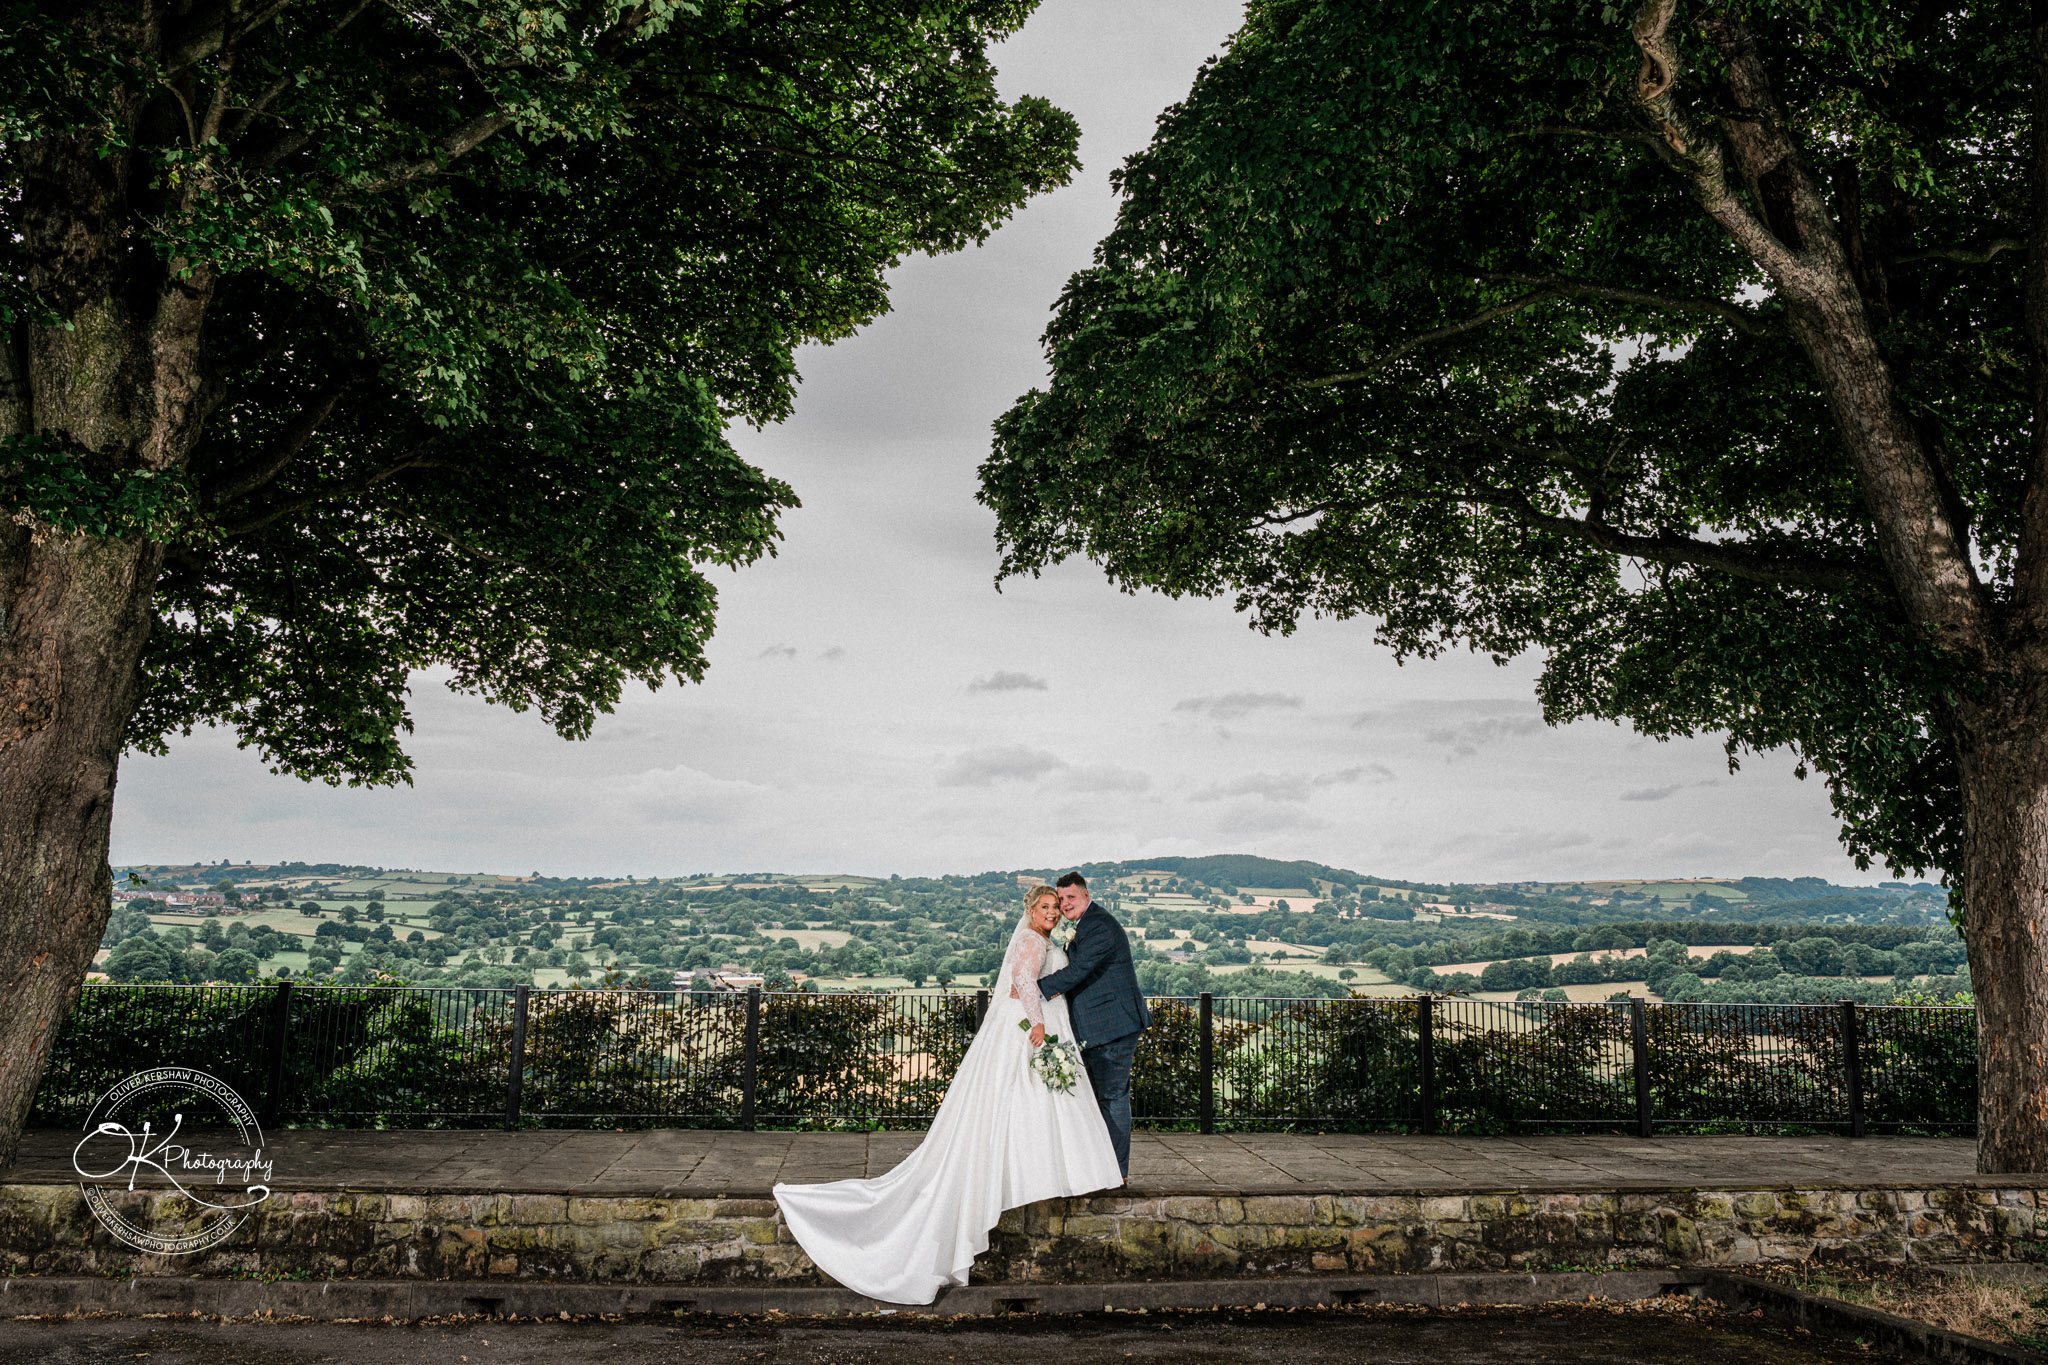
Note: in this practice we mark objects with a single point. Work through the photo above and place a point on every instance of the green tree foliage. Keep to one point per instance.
(1515, 975)
(1405, 318)
(126, 922)
(480, 287)
(1701, 348)
(145, 957)
(236, 966)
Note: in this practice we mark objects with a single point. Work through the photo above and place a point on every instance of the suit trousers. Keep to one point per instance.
(1109, 1072)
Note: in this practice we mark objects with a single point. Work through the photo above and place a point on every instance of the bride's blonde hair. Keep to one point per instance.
(1031, 896)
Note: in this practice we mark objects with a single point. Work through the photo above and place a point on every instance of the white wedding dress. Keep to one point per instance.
(1000, 1139)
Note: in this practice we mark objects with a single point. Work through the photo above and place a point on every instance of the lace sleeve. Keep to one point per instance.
(1030, 960)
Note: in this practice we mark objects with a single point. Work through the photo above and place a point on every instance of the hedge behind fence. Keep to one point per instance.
(416, 1057)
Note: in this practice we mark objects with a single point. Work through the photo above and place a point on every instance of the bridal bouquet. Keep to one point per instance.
(1062, 935)
(1058, 1063)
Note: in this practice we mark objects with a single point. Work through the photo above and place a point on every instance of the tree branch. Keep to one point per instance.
(1697, 155)
(609, 46)
(1548, 287)
(1736, 316)
(455, 143)
(209, 129)
(416, 458)
(1470, 324)
(248, 115)
(206, 31)
(287, 141)
(242, 481)
(1597, 134)
(1967, 255)
(1792, 235)
(1736, 560)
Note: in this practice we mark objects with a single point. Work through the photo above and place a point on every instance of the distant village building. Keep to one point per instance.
(727, 978)
(176, 900)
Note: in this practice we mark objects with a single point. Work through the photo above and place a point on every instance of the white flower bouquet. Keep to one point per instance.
(1062, 935)
(1057, 1063)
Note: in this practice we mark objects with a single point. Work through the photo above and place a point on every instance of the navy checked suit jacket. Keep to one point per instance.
(1099, 981)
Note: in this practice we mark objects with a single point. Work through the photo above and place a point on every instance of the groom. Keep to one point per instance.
(1107, 1008)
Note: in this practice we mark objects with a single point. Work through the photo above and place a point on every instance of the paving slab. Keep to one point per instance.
(742, 1164)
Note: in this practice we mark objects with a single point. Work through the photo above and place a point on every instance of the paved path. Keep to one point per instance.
(685, 1163)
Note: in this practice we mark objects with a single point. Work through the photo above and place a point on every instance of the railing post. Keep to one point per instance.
(515, 1069)
(1207, 1061)
(980, 1008)
(1852, 1065)
(280, 1036)
(1425, 1055)
(751, 1057)
(1639, 1039)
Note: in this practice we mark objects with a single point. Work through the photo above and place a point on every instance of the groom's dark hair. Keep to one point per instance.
(1074, 879)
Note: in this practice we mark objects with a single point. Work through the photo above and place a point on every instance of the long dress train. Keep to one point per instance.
(1001, 1139)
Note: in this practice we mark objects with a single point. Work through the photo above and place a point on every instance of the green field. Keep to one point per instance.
(838, 932)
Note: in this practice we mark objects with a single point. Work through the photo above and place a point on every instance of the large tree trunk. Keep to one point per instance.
(1786, 225)
(118, 386)
(77, 615)
(2004, 752)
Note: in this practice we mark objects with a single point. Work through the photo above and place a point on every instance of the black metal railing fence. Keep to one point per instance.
(402, 1056)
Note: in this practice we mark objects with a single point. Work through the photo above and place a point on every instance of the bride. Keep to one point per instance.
(1002, 1138)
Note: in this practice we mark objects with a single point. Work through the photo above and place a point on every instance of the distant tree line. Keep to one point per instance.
(1810, 967)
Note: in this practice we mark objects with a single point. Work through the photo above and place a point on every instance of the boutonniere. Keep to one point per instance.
(1062, 934)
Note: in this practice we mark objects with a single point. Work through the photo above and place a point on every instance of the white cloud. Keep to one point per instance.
(1291, 786)
(1469, 737)
(1365, 772)
(1525, 846)
(686, 795)
(999, 763)
(778, 652)
(1104, 779)
(1271, 786)
(1232, 705)
(1004, 681)
(1650, 793)
(1256, 818)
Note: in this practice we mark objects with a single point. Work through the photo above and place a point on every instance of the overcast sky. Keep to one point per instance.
(874, 705)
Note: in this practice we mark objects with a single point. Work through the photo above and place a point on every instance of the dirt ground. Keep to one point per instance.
(1672, 1331)
(2007, 1304)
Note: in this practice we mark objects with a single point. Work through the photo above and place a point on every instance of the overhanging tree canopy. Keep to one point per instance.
(1698, 347)
(483, 285)
(343, 339)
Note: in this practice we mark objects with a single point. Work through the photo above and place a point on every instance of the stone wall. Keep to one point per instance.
(46, 1230)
